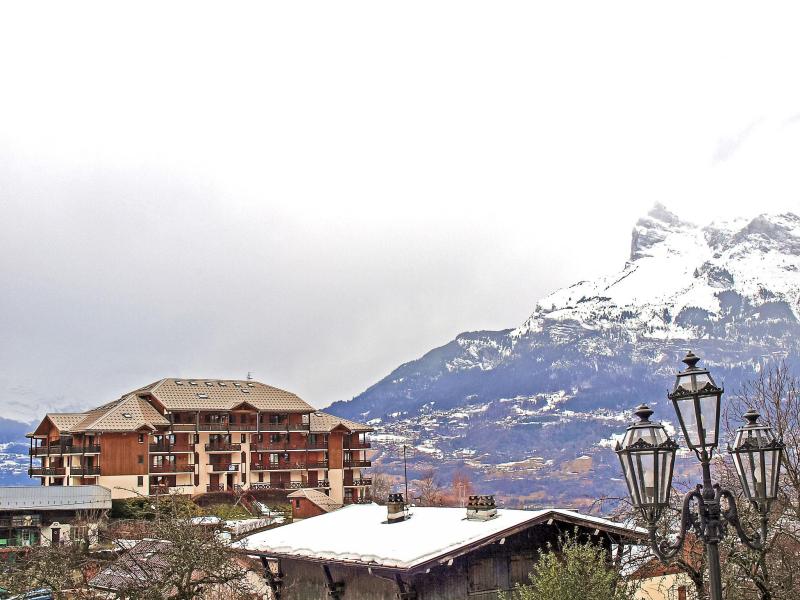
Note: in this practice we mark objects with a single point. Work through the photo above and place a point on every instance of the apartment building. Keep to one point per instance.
(193, 436)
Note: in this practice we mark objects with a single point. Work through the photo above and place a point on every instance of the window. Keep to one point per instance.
(273, 459)
(141, 438)
(244, 438)
(79, 533)
(140, 459)
(297, 502)
(140, 480)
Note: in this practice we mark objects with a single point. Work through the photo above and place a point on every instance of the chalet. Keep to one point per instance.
(190, 436)
(311, 503)
(31, 516)
(418, 553)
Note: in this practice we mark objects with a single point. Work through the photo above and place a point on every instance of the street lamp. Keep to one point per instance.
(647, 456)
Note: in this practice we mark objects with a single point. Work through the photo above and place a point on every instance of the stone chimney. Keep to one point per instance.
(481, 508)
(396, 507)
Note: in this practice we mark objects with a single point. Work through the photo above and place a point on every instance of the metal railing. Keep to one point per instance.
(170, 448)
(84, 471)
(280, 466)
(223, 447)
(172, 468)
(354, 464)
(223, 467)
(47, 471)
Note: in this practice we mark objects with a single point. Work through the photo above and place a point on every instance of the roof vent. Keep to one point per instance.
(203, 396)
(192, 383)
(178, 382)
(251, 385)
(221, 384)
(396, 508)
(481, 508)
(237, 384)
(127, 415)
(210, 383)
(244, 391)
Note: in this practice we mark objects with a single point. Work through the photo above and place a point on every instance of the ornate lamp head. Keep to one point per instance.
(647, 455)
(697, 399)
(757, 454)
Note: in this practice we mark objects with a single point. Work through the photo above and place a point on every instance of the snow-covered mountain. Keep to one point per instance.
(532, 410)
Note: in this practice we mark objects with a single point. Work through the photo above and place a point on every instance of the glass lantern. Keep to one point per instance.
(697, 400)
(647, 455)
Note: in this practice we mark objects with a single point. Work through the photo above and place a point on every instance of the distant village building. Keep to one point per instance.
(201, 435)
(31, 516)
(311, 503)
(377, 552)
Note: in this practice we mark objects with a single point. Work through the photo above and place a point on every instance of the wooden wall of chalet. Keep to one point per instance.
(121, 453)
(303, 508)
(475, 576)
(335, 444)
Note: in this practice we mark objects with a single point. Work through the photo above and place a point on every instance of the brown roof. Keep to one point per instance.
(65, 422)
(325, 502)
(129, 413)
(225, 394)
(141, 564)
(323, 422)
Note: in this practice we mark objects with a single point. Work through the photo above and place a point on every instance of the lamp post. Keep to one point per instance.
(647, 455)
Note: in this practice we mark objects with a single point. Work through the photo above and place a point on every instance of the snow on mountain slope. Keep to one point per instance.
(531, 411)
(677, 269)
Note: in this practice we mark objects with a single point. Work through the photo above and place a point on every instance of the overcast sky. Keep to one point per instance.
(319, 192)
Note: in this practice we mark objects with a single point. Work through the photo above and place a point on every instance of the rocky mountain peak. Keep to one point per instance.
(653, 229)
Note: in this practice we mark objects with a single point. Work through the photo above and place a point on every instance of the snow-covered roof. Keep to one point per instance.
(55, 497)
(430, 534)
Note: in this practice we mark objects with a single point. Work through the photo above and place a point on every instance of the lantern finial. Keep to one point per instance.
(644, 413)
(752, 417)
(691, 360)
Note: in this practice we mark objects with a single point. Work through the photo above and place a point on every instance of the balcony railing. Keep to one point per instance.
(84, 471)
(63, 449)
(183, 427)
(319, 464)
(359, 482)
(223, 467)
(214, 426)
(172, 468)
(358, 500)
(219, 487)
(286, 485)
(298, 427)
(47, 471)
(354, 464)
(159, 448)
(361, 446)
(269, 447)
(170, 489)
(274, 426)
(279, 466)
(243, 427)
(223, 447)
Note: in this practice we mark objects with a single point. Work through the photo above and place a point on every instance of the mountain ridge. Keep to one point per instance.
(560, 383)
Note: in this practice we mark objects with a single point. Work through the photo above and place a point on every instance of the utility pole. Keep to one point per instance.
(405, 472)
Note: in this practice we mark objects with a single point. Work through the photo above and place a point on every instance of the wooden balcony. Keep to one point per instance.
(183, 427)
(84, 471)
(61, 449)
(355, 464)
(170, 448)
(362, 446)
(286, 485)
(223, 447)
(364, 482)
(214, 426)
(279, 466)
(317, 464)
(223, 467)
(243, 427)
(269, 447)
(47, 471)
(298, 427)
(172, 468)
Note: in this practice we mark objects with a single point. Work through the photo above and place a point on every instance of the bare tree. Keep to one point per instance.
(429, 490)
(381, 486)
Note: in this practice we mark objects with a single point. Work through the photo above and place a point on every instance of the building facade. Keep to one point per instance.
(193, 436)
(32, 516)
